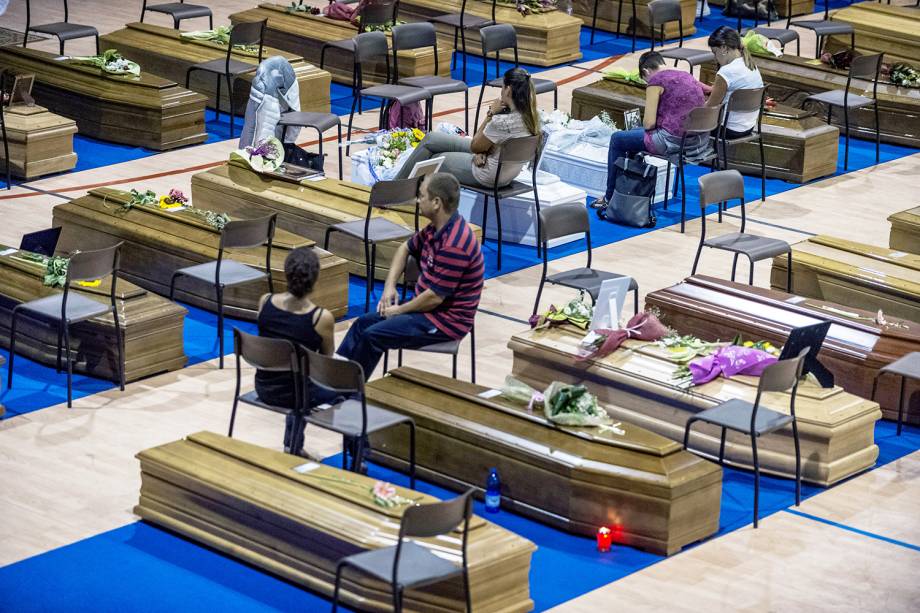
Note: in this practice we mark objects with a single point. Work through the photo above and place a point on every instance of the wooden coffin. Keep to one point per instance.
(855, 349)
(657, 496)
(250, 502)
(854, 274)
(305, 35)
(163, 52)
(40, 142)
(151, 324)
(157, 243)
(880, 28)
(905, 231)
(791, 79)
(798, 145)
(305, 209)
(836, 428)
(544, 39)
(146, 111)
(607, 15)
(799, 7)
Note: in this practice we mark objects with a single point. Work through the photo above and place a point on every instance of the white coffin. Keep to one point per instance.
(585, 166)
(518, 223)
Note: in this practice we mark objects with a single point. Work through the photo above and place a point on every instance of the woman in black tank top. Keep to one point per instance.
(291, 315)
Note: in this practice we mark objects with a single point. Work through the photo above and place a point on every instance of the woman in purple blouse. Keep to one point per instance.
(669, 97)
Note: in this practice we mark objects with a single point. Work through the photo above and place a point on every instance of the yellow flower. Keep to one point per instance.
(95, 283)
(748, 344)
(417, 134)
(767, 346)
(166, 203)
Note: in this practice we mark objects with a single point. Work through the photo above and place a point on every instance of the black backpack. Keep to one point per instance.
(633, 195)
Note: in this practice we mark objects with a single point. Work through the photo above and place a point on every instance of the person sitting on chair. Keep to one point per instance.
(292, 316)
(736, 71)
(475, 161)
(670, 95)
(447, 292)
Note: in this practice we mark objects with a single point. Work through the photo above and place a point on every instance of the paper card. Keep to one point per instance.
(306, 467)
(898, 254)
(322, 407)
(9, 251)
(490, 394)
(796, 299)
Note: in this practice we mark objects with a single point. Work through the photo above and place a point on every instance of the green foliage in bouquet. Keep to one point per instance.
(904, 75)
(626, 76)
(110, 61)
(55, 274)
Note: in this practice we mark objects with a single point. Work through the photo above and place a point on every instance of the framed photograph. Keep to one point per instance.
(632, 119)
(426, 167)
(21, 90)
(609, 305)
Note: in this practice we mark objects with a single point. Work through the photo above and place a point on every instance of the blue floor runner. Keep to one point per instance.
(142, 568)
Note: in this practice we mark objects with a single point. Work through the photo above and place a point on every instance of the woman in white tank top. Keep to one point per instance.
(736, 71)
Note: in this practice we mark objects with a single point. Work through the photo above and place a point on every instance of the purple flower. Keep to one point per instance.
(266, 150)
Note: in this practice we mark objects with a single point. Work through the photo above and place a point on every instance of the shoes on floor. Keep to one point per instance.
(598, 203)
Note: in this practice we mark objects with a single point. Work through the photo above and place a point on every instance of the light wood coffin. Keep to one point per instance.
(151, 324)
(836, 428)
(163, 52)
(657, 496)
(905, 231)
(607, 14)
(855, 349)
(249, 502)
(305, 35)
(854, 274)
(40, 142)
(544, 39)
(880, 28)
(157, 243)
(146, 111)
(798, 145)
(799, 7)
(305, 209)
(790, 79)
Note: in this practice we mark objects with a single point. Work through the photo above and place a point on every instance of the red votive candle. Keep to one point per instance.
(604, 539)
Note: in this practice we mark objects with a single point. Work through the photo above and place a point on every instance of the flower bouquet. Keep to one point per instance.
(55, 267)
(385, 495)
(904, 75)
(600, 343)
(221, 36)
(267, 156)
(110, 61)
(174, 200)
(561, 403)
(526, 7)
(576, 312)
(626, 76)
(391, 150)
(300, 7)
(758, 44)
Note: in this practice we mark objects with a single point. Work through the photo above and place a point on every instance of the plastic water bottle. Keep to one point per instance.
(493, 491)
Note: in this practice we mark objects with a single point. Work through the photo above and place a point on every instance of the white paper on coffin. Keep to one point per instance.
(518, 212)
(585, 165)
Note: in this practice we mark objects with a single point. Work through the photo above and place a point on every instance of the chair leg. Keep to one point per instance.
(722, 445)
(367, 276)
(338, 582)
(901, 405)
(683, 195)
(734, 266)
(399, 357)
(667, 185)
(696, 260)
(236, 401)
(454, 366)
(789, 272)
(373, 269)
(763, 172)
(878, 134)
(478, 105)
(69, 364)
(386, 362)
(687, 432)
(536, 303)
(453, 58)
(351, 119)
(119, 344)
(220, 324)
(97, 45)
(232, 107)
(636, 301)
(756, 476)
(397, 598)
(466, 110)
(798, 464)
(846, 139)
(498, 229)
(217, 101)
(473, 354)
(341, 169)
(412, 454)
(751, 275)
(9, 367)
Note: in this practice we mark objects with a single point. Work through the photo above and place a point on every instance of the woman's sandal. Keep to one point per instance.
(598, 203)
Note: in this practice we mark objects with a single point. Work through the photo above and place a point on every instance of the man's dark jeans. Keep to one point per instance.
(372, 334)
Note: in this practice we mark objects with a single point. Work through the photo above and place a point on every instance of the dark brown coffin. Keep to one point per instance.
(880, 28)
(151, 324)
(157, 243)
(905, 231)
(798, 145)
(855, 348)
(146, 111)
(791, 79)
(305, 35)
(609, 12)
(251, 503)
(163, 52)
(657, 496)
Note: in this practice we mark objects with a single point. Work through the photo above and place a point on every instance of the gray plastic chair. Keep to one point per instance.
(906, 367)
(67, 308)
(461, 22)
(179, 11)
(319, 122)
(662, 12)
(745, 101)
(722, 186)
(353, 418)
(270, 355)
(6, 143)
(863, 67)
(246, 33)
(496, 39)
(564, 220)
(513, 151)
(374, 230)
(223, 273)
(408, 565)
(422, 35)
(821, 27)
(372, 16)
(372, 47)
(62, 30)
(755, 420)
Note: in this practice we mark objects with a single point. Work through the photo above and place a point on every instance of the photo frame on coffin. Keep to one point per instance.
(426, 167)
(632, 119)
(813, 337)
(20, 91)
(609, 304)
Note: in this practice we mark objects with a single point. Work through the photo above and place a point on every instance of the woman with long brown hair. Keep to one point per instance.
(475, 160)
(736, 71)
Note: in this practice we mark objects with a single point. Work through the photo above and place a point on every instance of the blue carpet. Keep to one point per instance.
(143, 568)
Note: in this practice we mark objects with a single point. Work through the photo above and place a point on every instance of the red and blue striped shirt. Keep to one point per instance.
(450, 265)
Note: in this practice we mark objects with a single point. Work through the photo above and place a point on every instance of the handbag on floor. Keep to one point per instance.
(305, 159)
(633, 194)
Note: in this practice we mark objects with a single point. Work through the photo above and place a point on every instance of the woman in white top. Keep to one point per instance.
(475, 160)
(736, 71)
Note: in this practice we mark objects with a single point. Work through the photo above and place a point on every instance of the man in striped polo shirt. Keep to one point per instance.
(449, 284)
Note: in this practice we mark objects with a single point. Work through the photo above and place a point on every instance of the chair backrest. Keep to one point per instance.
(379, 13)
(264, 353)
(247, 33)
(702, 119)
(519, 150)
(419, 35)
(463, 12)
(782, 375)
(661, 12)
(866, 67)
(244, 233)
(427, 520)
(746, 100)
(498, 37)
(563, 220)
(371, 46)
(720, 186)
(398, 192)
(92, 265)
(342, 376)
